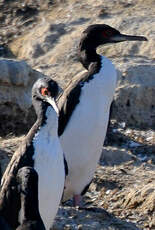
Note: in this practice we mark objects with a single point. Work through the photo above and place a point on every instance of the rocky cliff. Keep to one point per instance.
(46, 35)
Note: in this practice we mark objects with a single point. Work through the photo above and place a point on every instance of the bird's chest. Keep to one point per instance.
(97, 93)
(46, 156)
(47, 160)
(47, 148)
(95, 99)
(88, 123)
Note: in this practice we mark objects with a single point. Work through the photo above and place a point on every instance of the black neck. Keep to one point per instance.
(40, 109)
(87, 57)
(87, 53)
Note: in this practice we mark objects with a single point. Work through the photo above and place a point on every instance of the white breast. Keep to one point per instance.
(49, 163)
(84, 135)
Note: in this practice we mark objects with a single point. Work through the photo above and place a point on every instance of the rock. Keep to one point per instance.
(16, 80)
(133, 101)
(69, 218)
(142, 198)
(51, 47)
(115, 156)
(7, 147)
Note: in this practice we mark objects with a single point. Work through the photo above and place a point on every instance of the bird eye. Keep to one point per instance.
(44, 91)
(107, 33)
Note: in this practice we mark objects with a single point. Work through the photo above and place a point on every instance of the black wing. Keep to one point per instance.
(9, 194)
(70, 98)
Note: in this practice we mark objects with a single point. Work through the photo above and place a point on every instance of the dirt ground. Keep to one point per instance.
(122, 194)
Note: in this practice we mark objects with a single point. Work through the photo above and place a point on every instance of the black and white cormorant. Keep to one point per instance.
(84, 108)
(42, 151)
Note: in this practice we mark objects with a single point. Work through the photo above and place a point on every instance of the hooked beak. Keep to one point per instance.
(52, 102)
(123, 37)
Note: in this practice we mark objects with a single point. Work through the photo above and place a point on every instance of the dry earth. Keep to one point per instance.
(122, 194)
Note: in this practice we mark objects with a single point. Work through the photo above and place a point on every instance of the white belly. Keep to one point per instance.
(49, 164)
(84, 135)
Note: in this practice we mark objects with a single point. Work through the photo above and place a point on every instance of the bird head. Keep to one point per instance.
(45, 90)
(99, 34)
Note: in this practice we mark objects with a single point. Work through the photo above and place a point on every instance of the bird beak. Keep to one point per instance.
(51, 101)
(123, 37)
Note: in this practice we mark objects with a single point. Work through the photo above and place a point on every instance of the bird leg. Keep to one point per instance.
(77, 200)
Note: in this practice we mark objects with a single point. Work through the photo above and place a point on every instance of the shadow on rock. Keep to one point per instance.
(89, 219)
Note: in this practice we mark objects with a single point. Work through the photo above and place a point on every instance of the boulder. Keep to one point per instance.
(16, 80)
(115, 156)
(134, 97)
(51, 47)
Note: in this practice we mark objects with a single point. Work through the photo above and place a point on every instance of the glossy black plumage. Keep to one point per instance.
(27, 179)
